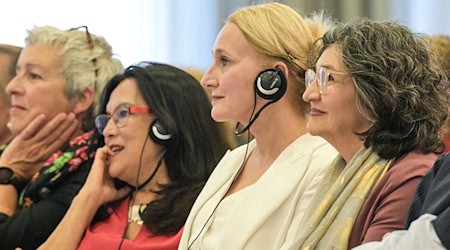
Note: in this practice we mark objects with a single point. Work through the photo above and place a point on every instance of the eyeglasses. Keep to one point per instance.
(91, 47)
(120, 116)
(322, 76)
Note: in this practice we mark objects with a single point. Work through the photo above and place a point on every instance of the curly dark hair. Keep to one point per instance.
(399, 84)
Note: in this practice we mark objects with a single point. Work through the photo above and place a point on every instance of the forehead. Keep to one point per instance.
(331, 59)
(232, 40)
(41, 55)
(126, 92)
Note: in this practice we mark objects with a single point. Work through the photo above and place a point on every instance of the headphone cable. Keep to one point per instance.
(136, 189)
(235, 177)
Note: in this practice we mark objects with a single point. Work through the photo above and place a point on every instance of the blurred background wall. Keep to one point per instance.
(182, 32)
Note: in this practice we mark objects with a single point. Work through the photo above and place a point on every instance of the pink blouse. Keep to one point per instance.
(107, 234)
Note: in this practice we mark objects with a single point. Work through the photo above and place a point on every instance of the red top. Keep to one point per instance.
(447, 143)
(107, 234)
(386, 206)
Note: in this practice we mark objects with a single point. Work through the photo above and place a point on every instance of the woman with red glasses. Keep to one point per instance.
(160, 147)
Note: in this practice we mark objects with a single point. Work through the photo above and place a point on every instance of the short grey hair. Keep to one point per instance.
(82, 65)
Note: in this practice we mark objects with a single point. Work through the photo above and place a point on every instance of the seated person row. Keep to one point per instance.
(380, 99)
(256, 196)
(427, 224)
(153, 145)
(54, 96)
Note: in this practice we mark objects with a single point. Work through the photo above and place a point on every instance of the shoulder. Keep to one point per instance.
(441, 168)
(313, 146)
(312, 141)
(405, 174)
(319, 149)
(412, 165)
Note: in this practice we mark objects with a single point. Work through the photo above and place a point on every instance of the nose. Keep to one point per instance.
(14, 87)
(209, 79)
(110, 129)
(312, 92)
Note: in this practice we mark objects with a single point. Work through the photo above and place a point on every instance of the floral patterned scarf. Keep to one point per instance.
(57, 168)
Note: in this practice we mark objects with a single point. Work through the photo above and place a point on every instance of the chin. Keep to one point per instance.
(217, 118)
(113, 172)
(15, 127)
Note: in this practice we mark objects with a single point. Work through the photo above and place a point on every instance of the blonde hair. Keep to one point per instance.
(279, 32)
(83, 65)
(441, 48)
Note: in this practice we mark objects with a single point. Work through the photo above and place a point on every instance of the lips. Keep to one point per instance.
(16, 108)
(115, 149)
(215, 98)
(316, 112)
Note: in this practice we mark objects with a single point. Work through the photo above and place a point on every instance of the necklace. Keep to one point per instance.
(135, 214)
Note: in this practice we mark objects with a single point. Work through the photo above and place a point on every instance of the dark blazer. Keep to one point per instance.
(433, 196)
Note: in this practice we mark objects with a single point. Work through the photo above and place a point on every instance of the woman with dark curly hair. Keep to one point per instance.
(379, 97)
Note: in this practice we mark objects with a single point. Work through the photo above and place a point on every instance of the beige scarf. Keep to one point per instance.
(329, 218)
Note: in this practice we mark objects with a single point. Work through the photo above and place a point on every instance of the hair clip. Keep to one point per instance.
(290, 58)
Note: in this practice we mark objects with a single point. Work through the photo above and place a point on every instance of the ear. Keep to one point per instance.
(84, 100)
(283, 67)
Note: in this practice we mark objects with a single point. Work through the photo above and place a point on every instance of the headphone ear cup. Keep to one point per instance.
(271, 84)
(159, 133)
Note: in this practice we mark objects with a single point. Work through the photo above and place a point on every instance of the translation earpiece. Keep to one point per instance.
(271, 84)
(159, 132)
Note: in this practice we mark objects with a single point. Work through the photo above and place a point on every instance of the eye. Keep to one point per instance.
(34, 76)
(224, 61)
(330, 78)
(122, 113)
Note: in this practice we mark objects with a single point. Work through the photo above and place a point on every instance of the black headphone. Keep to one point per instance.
(159, 133)
(271, 84)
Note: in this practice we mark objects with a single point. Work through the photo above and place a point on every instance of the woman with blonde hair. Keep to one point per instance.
(256, 195)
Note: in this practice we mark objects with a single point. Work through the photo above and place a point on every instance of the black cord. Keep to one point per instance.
(250, 120)
(234, 179)
(133, 197)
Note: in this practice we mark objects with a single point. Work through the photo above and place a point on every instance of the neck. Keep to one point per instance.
(346, 146)
(274, 138)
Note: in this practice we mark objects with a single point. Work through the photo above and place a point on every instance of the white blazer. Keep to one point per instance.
(270, 213)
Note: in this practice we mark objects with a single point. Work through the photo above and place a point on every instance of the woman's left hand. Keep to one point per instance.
(99, 185)
(29, 150)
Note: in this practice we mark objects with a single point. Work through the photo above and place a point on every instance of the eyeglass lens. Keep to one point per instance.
(120, 118)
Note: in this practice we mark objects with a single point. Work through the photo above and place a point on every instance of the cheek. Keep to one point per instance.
(53, 105)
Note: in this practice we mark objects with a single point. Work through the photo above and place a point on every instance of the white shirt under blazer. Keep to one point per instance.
(266, 214)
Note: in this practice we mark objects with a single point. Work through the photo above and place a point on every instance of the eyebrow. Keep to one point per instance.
(327, 66)
(27, 66)
(218, 50)
(115, 108)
